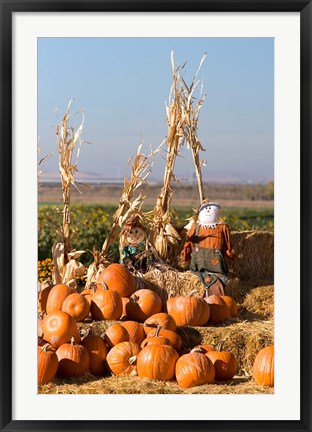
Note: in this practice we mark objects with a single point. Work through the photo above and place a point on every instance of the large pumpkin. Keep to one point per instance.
(97, 351)
(188, 311)
(122, 358)
(225, 364)
(77, 306)
(73, 360)
(115, 334)
(135, 330)
(263, 367)
(47, 363)
(105, 304)
(59, 327)
(194, 369)
(56, 297)
(218, 309)
(161, 319)
(118, 278)
(142, 305)
(157, 362)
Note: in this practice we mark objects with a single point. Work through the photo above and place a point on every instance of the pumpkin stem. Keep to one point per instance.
(103, 284)
(199, 349)
(72, 341)
(45, 347)
(132, 360)
(158, 330)
(153, 325)
(220, 345)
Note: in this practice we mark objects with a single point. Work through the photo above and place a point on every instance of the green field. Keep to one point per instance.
(91, 223)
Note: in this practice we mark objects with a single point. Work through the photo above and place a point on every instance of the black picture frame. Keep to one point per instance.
(8, 7)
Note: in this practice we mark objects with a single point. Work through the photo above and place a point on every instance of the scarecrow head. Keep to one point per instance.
(133, 231)
(209, 213)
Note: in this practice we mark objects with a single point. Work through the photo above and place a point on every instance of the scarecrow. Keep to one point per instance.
(208, 242)
(132, 243)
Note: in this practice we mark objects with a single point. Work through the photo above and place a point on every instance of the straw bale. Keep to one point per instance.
(259, 303)
(255, 251)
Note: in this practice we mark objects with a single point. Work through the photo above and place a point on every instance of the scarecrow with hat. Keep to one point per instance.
(208, 242)
(132, 243)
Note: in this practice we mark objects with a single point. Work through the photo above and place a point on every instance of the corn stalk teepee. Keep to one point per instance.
(182, 119)
(65, 264)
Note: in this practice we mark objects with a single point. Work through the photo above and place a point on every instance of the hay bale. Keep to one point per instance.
(255, 251)
(259, 303)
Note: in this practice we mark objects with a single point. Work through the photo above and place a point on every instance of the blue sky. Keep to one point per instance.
(122, 85)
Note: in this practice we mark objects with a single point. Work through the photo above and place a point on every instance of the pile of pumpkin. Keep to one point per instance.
(144, 343)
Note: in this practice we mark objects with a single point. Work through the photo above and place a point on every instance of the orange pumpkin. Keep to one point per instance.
(42, 299)
(87, 293)
(219, 311)
(115, 334)
(118, 278)
(47, 363)
(161, 319)
(77, 306)
(263, 367)
(225, 364)
(204, 349)
(231, 304)
(173, 337)
(142, 305)
(97, 351)
(156, 340)
(59, 327)
(188, 311)
(73, 360)
(157, 362)
(56, 297)
(122, 358)
(106, 304)
(135, 330)
(194, 369)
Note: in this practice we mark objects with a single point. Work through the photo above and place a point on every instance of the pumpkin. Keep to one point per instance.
(194, 369)
(77, 306)
(97, 351)
(56, 297)
(118, 278)
(263, 367)
(135, 330)
(188, 311)
(115, 334)
(142, 305)
(219, 311)
(161, 319)
(224, 362)
(173, 337)
(87, 293)
(204, 349)
(59, 327)
(231, 304)
(42, 299)
(73, 360)
(106, 304)
(157, 362)
(40, 328)
(122, 358)
(47, 363)
(156, 340)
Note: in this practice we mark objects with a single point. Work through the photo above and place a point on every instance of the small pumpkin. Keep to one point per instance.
(135, 330)
(157, 362)
(115, 334)
(118, 278)
(156, 340)
(73, 360)
(219, 311)
(105, 304)
(56, 297)
(43, 297)
(142, 305)
(188, 311)
(122, 358)
(59, 327)
(77, 306)
(263, 367)
(194, 369)
(231, 304)
(173, 337)
(97, 351)
(47, 363)
(224, 362)
(161, 319)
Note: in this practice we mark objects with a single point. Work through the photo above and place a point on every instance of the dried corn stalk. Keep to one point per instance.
(66, 266)
(182, 121)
